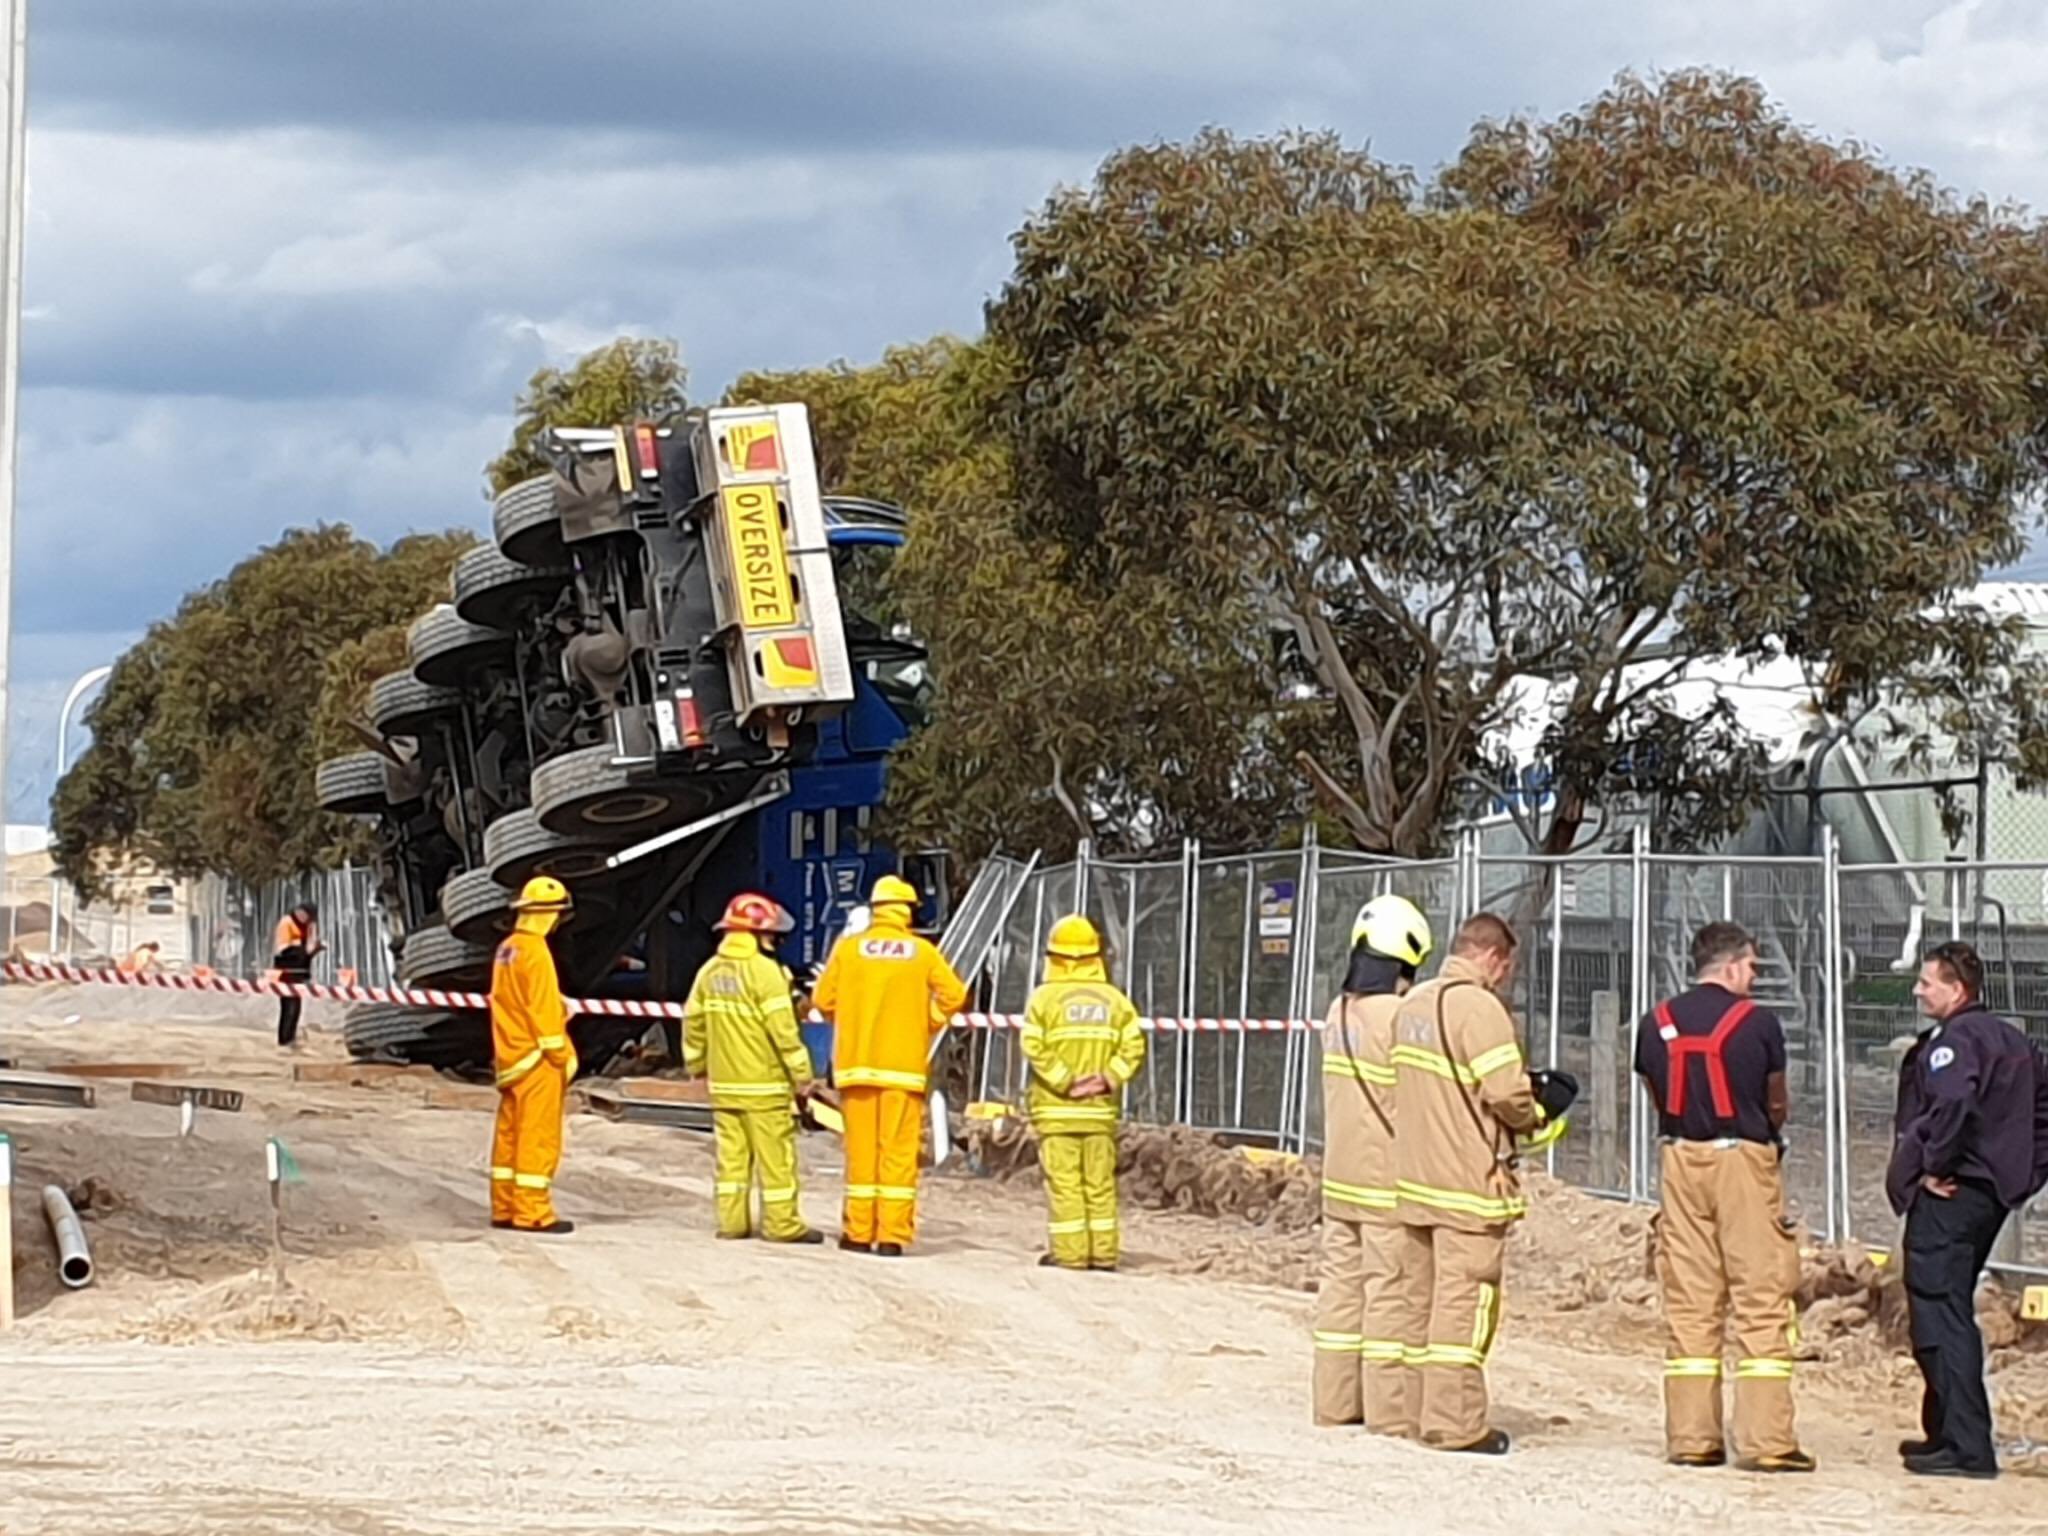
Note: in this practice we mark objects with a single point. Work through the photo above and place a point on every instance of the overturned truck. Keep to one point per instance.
(645, 686)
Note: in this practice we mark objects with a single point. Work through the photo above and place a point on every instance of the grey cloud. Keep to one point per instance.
(292, 261)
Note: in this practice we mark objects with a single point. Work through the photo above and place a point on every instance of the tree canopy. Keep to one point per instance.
(1285, 482)
(1663, 380)
(631, 379)
(204, 739)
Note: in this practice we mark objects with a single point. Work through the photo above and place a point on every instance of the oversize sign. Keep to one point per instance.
(753, 532)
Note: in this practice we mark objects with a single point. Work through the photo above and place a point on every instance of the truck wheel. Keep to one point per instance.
(517, 847)
(422, 1036)
(446, 648)
(351, 785)
(526, 525)
(475, 908)
(434, 957)
(402, 705)
(583, 793)
(496, 591)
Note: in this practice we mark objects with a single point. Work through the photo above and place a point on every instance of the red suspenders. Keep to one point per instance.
(1708, 1048)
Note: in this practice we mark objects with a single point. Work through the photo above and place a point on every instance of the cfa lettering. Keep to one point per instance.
(888, 949)
(1087, 1013)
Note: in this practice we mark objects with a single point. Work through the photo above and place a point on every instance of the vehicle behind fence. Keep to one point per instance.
(1604, 937)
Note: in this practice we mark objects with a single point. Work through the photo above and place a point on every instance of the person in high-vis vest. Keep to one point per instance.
(535, 1063)
(1362, 1374)
(739, 1027)
(1714, 1062)
(1083, 1043)
(297, 942)
(887, 991)
(1461, 1096)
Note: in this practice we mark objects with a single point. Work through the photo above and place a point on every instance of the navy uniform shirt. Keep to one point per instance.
(1973, 1104)
(1750, 1056)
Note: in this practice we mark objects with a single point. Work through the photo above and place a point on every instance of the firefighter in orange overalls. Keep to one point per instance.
(535, 1062)
(887, 991)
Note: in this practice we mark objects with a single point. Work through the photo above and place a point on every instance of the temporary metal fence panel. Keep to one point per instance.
(1890, 915)
(1783, 904)
(1574, 993)
(234, 925)
(1267, 935)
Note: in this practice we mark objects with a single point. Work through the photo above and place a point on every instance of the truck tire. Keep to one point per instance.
(476, 908)
(434, 957)
(496, 591)
(525, 523)
(351, 785)
(422, 1036)
(446, 648)
(583, 794)
(402, 705)
(517, 847)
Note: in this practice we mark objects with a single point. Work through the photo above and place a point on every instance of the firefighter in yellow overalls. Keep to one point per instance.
(1082, 1039)
(739, 1026)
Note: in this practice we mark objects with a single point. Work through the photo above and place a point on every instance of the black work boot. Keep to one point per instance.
(848, 1245)
(801, 1240)
(1944, 1463)
(555, 1228)
(889, 1250)
(1494, 1442)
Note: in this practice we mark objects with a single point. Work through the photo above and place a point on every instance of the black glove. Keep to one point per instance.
(1556, 1091)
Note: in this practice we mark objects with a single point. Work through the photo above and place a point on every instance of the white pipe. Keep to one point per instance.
(74, 1259)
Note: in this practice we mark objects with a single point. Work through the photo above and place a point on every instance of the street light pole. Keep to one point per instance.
(13, 201)
(88, 680)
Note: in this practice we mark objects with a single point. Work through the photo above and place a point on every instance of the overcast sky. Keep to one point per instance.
(291, 260)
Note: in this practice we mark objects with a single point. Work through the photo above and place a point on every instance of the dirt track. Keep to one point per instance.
(420, 1373)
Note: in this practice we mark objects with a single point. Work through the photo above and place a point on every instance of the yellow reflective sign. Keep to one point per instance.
(753, 532)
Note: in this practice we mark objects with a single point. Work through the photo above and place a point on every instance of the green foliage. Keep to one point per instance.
(1058, 716)
(1664, 380)
(204, 740)
(631, 379)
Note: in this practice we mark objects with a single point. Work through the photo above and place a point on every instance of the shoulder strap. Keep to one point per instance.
(1443, 1041)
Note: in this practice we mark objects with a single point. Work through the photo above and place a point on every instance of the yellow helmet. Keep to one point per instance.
(543, 893)
(893, 891)
(1074, 938)
(1393, 926)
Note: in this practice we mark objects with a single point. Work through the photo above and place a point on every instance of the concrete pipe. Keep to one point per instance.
(74, 1259)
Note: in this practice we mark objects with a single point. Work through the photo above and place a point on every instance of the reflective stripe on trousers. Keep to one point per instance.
(884, 1134)
(1080, 1196)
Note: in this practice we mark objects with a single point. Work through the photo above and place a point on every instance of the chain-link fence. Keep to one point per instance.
(1604, 937)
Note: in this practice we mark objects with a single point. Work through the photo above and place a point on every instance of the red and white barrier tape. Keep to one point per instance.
(431, 997)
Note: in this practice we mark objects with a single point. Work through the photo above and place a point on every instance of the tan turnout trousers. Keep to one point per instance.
(1447, 1310)
(1725, 1254)
(1362, 1373)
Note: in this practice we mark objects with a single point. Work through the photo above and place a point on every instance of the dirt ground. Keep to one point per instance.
(417, 1372)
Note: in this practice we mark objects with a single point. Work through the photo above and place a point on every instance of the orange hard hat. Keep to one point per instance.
(751, 913)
